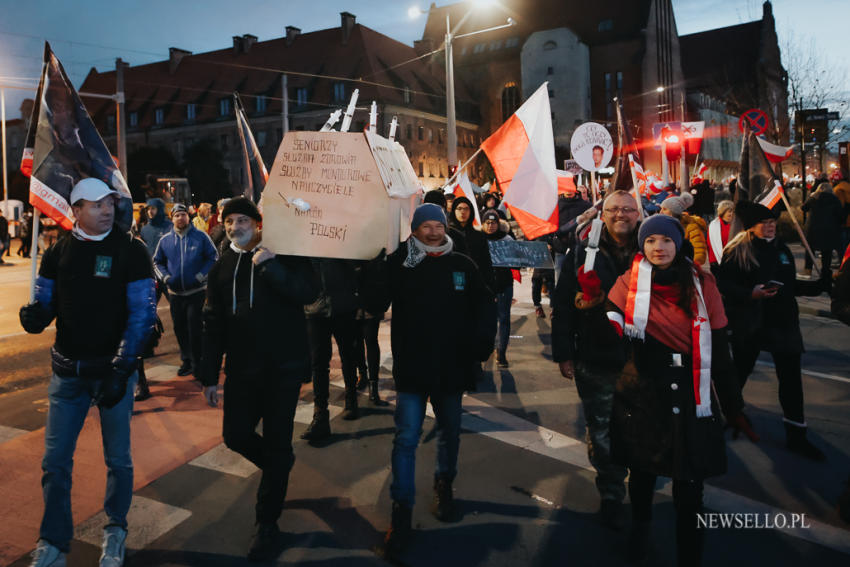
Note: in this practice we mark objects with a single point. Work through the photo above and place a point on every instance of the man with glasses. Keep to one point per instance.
(594, 369)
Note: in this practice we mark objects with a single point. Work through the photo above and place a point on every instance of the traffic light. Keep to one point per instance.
(672, 144)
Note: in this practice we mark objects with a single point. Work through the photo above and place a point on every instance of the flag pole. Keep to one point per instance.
(462, 167)
(800, 231)
(36, 216)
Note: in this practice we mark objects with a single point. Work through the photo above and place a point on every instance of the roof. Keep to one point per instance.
(315, 61)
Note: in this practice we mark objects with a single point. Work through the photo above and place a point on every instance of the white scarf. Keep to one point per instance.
(417, 250)
(80, 234)
(637, 316)
(715, 238)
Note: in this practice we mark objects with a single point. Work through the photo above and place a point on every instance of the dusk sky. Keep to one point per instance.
(92, 33)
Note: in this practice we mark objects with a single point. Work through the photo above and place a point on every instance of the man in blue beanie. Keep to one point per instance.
(438, 296)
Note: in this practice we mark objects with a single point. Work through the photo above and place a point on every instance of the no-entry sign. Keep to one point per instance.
(757, 120)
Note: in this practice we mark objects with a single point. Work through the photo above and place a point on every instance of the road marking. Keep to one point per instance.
(8, 433)
(147, 518)
(811, 373)
(222, 459)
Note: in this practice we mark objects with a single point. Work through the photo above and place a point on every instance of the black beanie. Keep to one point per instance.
(750, 214)
(242, 206)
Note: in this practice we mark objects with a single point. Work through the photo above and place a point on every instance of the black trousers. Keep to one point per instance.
(538, 277)
(687, 498)
(788, 372)
(272, 399)
(188, 325)
(343, 328)
(825, 262)
(367, 351)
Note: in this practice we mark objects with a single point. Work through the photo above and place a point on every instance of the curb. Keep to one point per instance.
(816, 312)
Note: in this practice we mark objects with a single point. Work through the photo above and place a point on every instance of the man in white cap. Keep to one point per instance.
(98, 284)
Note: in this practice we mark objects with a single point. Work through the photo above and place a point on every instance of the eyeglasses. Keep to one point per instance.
(624, 210)
(461, 208)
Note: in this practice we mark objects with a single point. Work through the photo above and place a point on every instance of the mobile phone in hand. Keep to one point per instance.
(773, 285)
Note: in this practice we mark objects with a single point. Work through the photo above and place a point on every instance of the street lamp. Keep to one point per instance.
(451, 127)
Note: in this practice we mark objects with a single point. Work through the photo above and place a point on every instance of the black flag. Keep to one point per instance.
(626, 146)
(256, 174)
(756, 177)
(68, 148)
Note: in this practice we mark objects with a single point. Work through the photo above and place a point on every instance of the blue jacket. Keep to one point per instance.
(156, 227)
(183, 262)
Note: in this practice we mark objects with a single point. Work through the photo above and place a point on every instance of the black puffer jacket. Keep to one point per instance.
(476, 244)
(502, 277)
(443, 322)
(825, 219)
(339, 292)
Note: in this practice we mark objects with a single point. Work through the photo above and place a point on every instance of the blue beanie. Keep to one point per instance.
(426, 212)
(661, 224)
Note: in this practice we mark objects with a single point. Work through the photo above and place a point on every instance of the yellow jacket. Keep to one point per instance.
(695, 230)
(200, 223)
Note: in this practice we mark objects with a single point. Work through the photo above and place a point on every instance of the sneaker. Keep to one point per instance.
(539, 311)
(185, 369)
(113, 547)
(47, 555)
(142, 394)
(264, 546)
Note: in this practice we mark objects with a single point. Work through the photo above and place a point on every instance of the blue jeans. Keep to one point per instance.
(70, 400)
(503, 310)
(409, 415)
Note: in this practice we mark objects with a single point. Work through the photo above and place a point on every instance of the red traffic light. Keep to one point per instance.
(452, 170)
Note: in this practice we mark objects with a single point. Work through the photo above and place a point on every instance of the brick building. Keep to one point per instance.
(177, 102)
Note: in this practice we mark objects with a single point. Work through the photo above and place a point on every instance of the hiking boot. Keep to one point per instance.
(351, 411)
(611, 512)
(319, 429)
(398, 535)
(113, 546)
(796, 442)
(374, 396)
(539, 311)
(185, 368)
(501, 360)
(47, 555)
(264, 546)
(142, 393)
(442, 507)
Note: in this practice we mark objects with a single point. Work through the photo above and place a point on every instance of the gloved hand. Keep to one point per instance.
(34, 317)
(114, 386)
(591, 285)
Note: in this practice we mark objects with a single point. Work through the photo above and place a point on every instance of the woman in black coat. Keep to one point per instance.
(666, 418)
(823, 226)
(758, 280)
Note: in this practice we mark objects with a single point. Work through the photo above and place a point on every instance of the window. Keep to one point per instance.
(463, 50)
(605, 25)
(510, 100)
(409, 132)
(479, 47)
(512, 42)
(440, 135)
(406, 95)
(550, 71)
(609, 105)
(421, 169)
(110, 123)
(301, 96)
(339, 92)
(549, 46)
(261, 103)
(159, 116)
(134, 119)
(421, 133)
(495, 44)
(224, 141)
(224, 107)
(619, 82)
(261, 138)
(430, 135)
(191, 111)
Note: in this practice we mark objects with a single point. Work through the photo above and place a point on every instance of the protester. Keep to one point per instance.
(703, 205)
(157, 226)
(202, 219)
(4, 235)
(694, 226)
(825, 218)
(542, 279)
(439, 297)
(26, 236)
(493, 202)
(757, 278)
(476, 245)
(438, 197)
(332, 315)
(718, 232)
(98, 284)
(493, 229)
(182, 261)
(570, 206)
(666, 420)
(842, 191)
(217, 232)
(367, 350)
(840, 306)
(254, 314)
(579, 355)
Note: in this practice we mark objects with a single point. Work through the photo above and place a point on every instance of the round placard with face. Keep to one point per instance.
(592, 146)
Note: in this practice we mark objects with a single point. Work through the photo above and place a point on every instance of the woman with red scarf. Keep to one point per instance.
(667, 419)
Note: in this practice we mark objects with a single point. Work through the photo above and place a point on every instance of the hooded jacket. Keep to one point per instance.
(255, 315)
(825, 218)
(183, 261)
(157, 227)
(476, 244)
(502, 277)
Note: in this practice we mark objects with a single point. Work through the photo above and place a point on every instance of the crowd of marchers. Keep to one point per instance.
(658, 333)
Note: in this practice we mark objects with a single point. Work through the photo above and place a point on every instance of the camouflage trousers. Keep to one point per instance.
(596, 390)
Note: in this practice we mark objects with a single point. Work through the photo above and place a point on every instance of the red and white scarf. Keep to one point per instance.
(637, 316)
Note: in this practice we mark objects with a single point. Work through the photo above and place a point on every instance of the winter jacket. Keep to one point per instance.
(255, 315)
(443, 322)
(572, 338)
(695, 231)
(569, 208)
(338, 284)
(502, 277)
(773, 322)
(824, 221)
(157, 227)
(476, 244)
(842, 191)
(201, 224)
(183, 262)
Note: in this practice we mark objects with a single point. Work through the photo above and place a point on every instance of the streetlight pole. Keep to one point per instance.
(451, 127)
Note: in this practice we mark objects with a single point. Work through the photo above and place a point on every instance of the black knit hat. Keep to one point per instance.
(242, 206)
(750, 214)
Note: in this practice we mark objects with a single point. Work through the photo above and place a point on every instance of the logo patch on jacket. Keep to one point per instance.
(459, 280)
(102, 266)
(784, 259)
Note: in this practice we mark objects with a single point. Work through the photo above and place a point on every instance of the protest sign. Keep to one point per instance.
(520, 254)
(591, 146)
